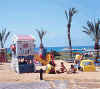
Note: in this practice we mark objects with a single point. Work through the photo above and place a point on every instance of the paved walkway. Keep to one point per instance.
(55, 84)
(35, 85)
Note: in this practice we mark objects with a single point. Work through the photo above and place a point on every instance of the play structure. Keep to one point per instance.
(44, 61)
(23, 54)
(3, 55)
(88, 66)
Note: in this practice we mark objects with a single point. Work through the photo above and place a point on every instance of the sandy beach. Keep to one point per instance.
(8, 75)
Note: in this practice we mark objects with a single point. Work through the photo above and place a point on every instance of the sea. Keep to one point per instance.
(58, 49)
(62, 49)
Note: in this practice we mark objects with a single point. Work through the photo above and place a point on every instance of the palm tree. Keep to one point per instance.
(93, 29)
(3, 37)
(41, 34)
(69, 15)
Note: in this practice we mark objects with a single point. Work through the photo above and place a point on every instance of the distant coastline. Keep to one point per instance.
(58, 49)
(61, 49)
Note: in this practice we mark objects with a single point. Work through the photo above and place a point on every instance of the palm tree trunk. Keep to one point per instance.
(2, 46)
(69, 40)
(41, 44)
(96, 47)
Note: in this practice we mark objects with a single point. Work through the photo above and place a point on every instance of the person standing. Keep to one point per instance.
(41, 74)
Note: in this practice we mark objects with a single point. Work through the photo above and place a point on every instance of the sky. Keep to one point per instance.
(24, 16)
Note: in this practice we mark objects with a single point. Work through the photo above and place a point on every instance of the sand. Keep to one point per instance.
(8, 75)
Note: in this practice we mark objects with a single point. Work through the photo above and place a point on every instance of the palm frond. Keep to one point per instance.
(3, 36)
(6, 37)
(0, 37)
(86, 28)
(86, 32)
(66, 14)
(90, 26)
(3, 32)
(41, 33)
(93, 29)
(72, 12)
(70, 16)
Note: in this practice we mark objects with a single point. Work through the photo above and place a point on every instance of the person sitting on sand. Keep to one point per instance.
(72, 69)
(63, 68)
(52, 71)
(50, 68)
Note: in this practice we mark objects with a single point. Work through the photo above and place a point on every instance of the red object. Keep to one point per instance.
(52, 57)
(3, 57)
(25, 46)
(25, 37)
(13, 48)
(40, 55)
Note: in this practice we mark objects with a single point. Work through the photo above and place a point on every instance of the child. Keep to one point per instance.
(63, 68)
(52, 71)
(72, 69)
(48, 67)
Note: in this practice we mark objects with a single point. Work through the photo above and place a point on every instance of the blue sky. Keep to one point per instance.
(24, 16)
